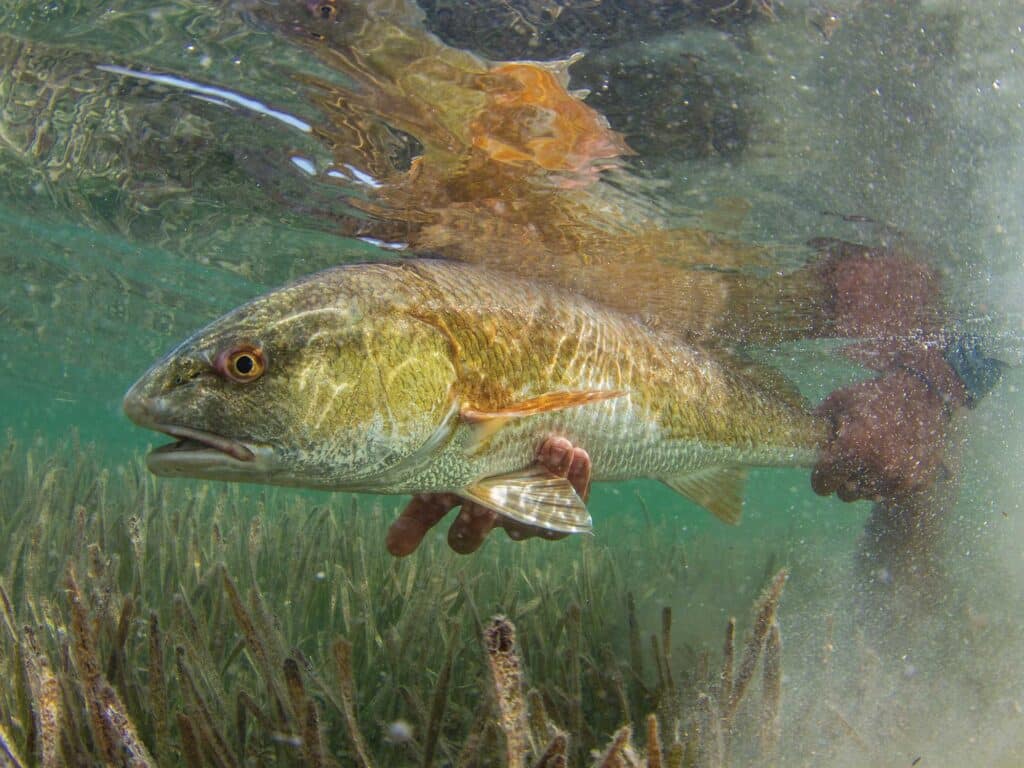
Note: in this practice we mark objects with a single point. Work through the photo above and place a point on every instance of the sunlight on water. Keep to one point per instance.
(711, 169)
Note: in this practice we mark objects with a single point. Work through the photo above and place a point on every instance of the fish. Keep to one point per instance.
(425, 375)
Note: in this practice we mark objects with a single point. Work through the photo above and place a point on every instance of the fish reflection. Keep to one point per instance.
(513, 170)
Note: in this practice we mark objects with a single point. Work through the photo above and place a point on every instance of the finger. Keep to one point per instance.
(560, 457)
(421, 514)
(825, 478)
(578, 472)
(850, 491)
(555, 455)
(470, 528)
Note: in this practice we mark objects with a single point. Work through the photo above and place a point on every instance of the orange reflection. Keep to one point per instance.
(530, 119)
(511, 171)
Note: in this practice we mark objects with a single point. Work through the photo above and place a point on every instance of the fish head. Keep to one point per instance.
(324, 383)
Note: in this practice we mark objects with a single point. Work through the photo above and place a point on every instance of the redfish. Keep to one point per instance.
(430, 376)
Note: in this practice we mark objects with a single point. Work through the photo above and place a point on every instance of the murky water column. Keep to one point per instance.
(909, 122)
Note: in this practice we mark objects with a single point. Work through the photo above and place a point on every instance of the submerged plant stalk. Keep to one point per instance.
(615, 755)
(440, 700)
(771, 692)
(653, 742)
(764, 618)
(46, 698)
(728, 657)
(158, 688)
(343, 663)
(116, 735)
(9, 756)
(500, 643)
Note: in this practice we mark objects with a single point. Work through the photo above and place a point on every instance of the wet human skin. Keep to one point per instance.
(474, 522)
(889, 435)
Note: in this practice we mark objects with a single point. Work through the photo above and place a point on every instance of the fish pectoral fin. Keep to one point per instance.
(549, 401)
(487, 423)
(534, 497)
(718, 489)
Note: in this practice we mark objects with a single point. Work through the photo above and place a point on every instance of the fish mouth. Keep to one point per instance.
(196, 441)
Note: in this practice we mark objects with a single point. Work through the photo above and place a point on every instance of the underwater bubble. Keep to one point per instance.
(398, 732)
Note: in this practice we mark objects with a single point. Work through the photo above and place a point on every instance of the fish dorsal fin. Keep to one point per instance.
(765, 377)
(533, 496)
(775, 382)
(726, 214)
(486, 423)
(718, 489)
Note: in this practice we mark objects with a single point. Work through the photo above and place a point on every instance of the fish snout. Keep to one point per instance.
(143, 410)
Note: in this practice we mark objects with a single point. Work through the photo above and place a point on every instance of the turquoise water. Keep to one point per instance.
(133, 211)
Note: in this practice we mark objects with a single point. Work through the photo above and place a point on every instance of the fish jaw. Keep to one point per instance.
(190, 458)
(197, 453)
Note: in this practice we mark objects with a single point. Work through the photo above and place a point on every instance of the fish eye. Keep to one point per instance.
(326, 10)
(242, 364)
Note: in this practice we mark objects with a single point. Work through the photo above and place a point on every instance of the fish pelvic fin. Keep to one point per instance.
(533, 496)
(718, 489)
(487, 423)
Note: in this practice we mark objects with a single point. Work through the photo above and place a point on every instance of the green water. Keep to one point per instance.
(146, 213)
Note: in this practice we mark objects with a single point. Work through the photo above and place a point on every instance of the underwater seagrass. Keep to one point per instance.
(145, 623)
(426, 376)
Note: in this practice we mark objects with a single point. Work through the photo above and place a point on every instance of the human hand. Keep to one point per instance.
(889, 435)
(474, 521)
